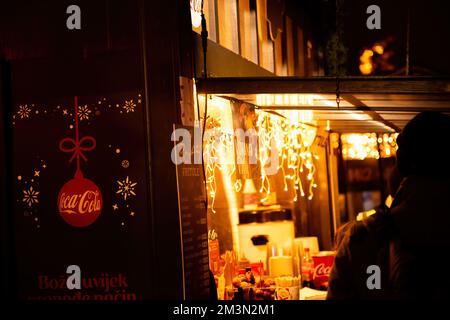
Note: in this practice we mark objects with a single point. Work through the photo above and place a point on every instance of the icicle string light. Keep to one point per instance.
(217, 143)
(293, 139)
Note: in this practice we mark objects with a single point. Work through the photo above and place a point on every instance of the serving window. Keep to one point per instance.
(284, 171)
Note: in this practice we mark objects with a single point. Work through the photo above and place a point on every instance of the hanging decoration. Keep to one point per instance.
(79, 200)
(293, 134)
(215, 146)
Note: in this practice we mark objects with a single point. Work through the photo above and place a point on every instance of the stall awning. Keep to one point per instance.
(368, 104)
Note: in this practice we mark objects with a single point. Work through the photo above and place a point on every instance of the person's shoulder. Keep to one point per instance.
(358, 231)
(377, 225)
(349, 233)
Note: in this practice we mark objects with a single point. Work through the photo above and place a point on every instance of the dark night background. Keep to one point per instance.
(429, 33)
(25, 33)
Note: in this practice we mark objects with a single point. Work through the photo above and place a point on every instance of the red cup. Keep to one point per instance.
(323, 261)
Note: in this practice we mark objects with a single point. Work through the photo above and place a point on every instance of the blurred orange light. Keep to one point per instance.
(365, 66)
(378, 49)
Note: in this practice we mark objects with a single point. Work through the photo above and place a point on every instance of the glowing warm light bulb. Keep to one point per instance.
(366, 66)
(378, 49)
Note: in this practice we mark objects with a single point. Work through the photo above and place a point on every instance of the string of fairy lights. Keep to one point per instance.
(290, 136)
(293, 139)
(216, 143)
(360, 146)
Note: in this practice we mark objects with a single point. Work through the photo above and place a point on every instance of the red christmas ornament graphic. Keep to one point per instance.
(80, 200)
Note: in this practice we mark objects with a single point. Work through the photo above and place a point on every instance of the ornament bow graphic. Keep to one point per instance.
(77, 146)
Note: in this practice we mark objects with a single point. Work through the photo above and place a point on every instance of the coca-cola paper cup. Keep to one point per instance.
(323, 261)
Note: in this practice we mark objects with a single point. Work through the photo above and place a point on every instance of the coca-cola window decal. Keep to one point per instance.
(80, 196)
(79, 200)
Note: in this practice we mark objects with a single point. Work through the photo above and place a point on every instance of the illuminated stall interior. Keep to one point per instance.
(335, 162)
(334, 138)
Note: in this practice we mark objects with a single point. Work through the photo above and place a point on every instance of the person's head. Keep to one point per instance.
(423, 145)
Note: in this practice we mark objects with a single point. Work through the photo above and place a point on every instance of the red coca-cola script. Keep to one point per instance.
(322, 267)
(80, 202)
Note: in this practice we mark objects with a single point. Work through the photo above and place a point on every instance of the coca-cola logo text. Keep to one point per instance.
(321, 270)
(87, 202)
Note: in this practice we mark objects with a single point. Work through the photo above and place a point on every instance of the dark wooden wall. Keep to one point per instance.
(152, 43)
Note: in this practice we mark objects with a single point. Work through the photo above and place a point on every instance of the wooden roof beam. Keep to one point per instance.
(326, 85)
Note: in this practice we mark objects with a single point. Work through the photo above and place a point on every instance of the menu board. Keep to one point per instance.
(193, 221)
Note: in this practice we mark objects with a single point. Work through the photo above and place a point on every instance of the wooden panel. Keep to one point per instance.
(248, 32)
(407, 103)
(228, 28)
(300, 59)
(224, 63)
(280, 69)
(400, 97)
(404, 95)
(265, 60)
(339, 116)
(289, 36)
(398, 116)
(244, 21)
(348, 85)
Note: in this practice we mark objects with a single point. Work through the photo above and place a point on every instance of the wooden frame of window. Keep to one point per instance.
(228, 24)
(289, 46)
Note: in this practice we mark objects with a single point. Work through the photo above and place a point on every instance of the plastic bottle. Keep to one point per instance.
(307, 269)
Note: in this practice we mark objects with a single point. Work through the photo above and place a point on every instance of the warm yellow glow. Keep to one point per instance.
(362, 215)
(365, 145)
(389, 201)
(218, 154)
(285, 99)
(196, 16)
(378, 49)
(366, 66)
(388, 145)
(293, 138)
(359, 146)
(219, 158)
(292, 134)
